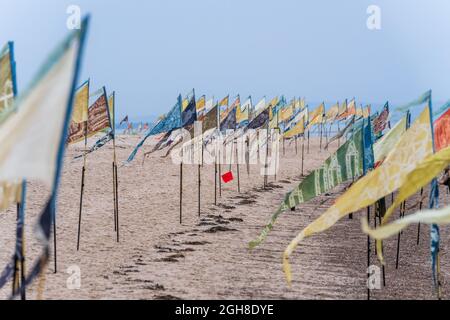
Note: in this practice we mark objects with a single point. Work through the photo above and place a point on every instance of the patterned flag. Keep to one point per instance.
(223, 106)
(380, 123)
(77, 129)
(124, 120)
(414, 146)
(112, 110)
(387, 143)
(10, 192)
(342, 111)
(332, 113)
(344, 165)
(189, 113)
(8, 87)
(168, 123)
(260, 120)
(210, 119)
(243, 113)
(33, 138)
(98, 115)
(286, 113)
(297, 129)
(260, 107)
(201, 104)
(442, 131)
(229, 123)
(367, 111)
(317, 116)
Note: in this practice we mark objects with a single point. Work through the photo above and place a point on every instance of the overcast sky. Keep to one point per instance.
(150, 51)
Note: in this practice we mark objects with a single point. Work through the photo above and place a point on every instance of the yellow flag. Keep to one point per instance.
(286, 113)
(414, 146)
(201, 103)
(81, 104)
(435, 216)
(274, 102)
(366, 111)
(342, 109)
(298, 128)
(423, 174)
(332, 113)
(316, 117)
(387, 143)
(112, 111)
(224, 102)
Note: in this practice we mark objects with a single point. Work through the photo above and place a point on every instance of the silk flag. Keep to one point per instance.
(77, 129)
(9, 192)
(32, 138)
(8, 87)
(188, 99)
(332, 113)
(296, 130)
(414, 146)
(423, 174)
(316, 117)
(425, 97)
(260, 120)
(208, 106)
(297, 125)
(350, 110)
(367, 111)
(260, 106)
(344, 165)
(442, 131)
(380, 123)
(201, 104)
(98, 115)
(189, 112)
(286, 113)
(243, 113)
(112, 110)
(229, 123)
(168, 123)
(223, 106)
(387, 143)
(210, 119)
(81, 104)
(342, 111)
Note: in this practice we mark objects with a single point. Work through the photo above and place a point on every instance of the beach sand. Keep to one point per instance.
(207, 257)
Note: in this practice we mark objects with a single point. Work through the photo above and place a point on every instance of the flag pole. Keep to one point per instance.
(215, 181)
(83, 171)
(420, 209)
(237, 167)
(368, 255)
(308, 141)
(181, 187)
(320, 144)
(114, 164)
(402, 214)
(303, 151)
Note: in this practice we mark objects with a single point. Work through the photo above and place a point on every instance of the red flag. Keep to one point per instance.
(442, 131)
(227, 177)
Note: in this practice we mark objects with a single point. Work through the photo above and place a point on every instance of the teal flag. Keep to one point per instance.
(344, 165)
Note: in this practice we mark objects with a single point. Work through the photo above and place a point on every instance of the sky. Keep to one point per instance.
(151, 51)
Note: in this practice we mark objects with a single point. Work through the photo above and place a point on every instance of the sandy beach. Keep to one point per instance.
(207, 257)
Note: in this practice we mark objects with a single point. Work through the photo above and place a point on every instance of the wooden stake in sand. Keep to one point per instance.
(303, 151)
(308, 141)
(19, 282)
(181, 188)
(83, 171)
(237, 167)
(402, 214)
(199, 188)
(420, 209)
(321, 133)
(368, 256)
